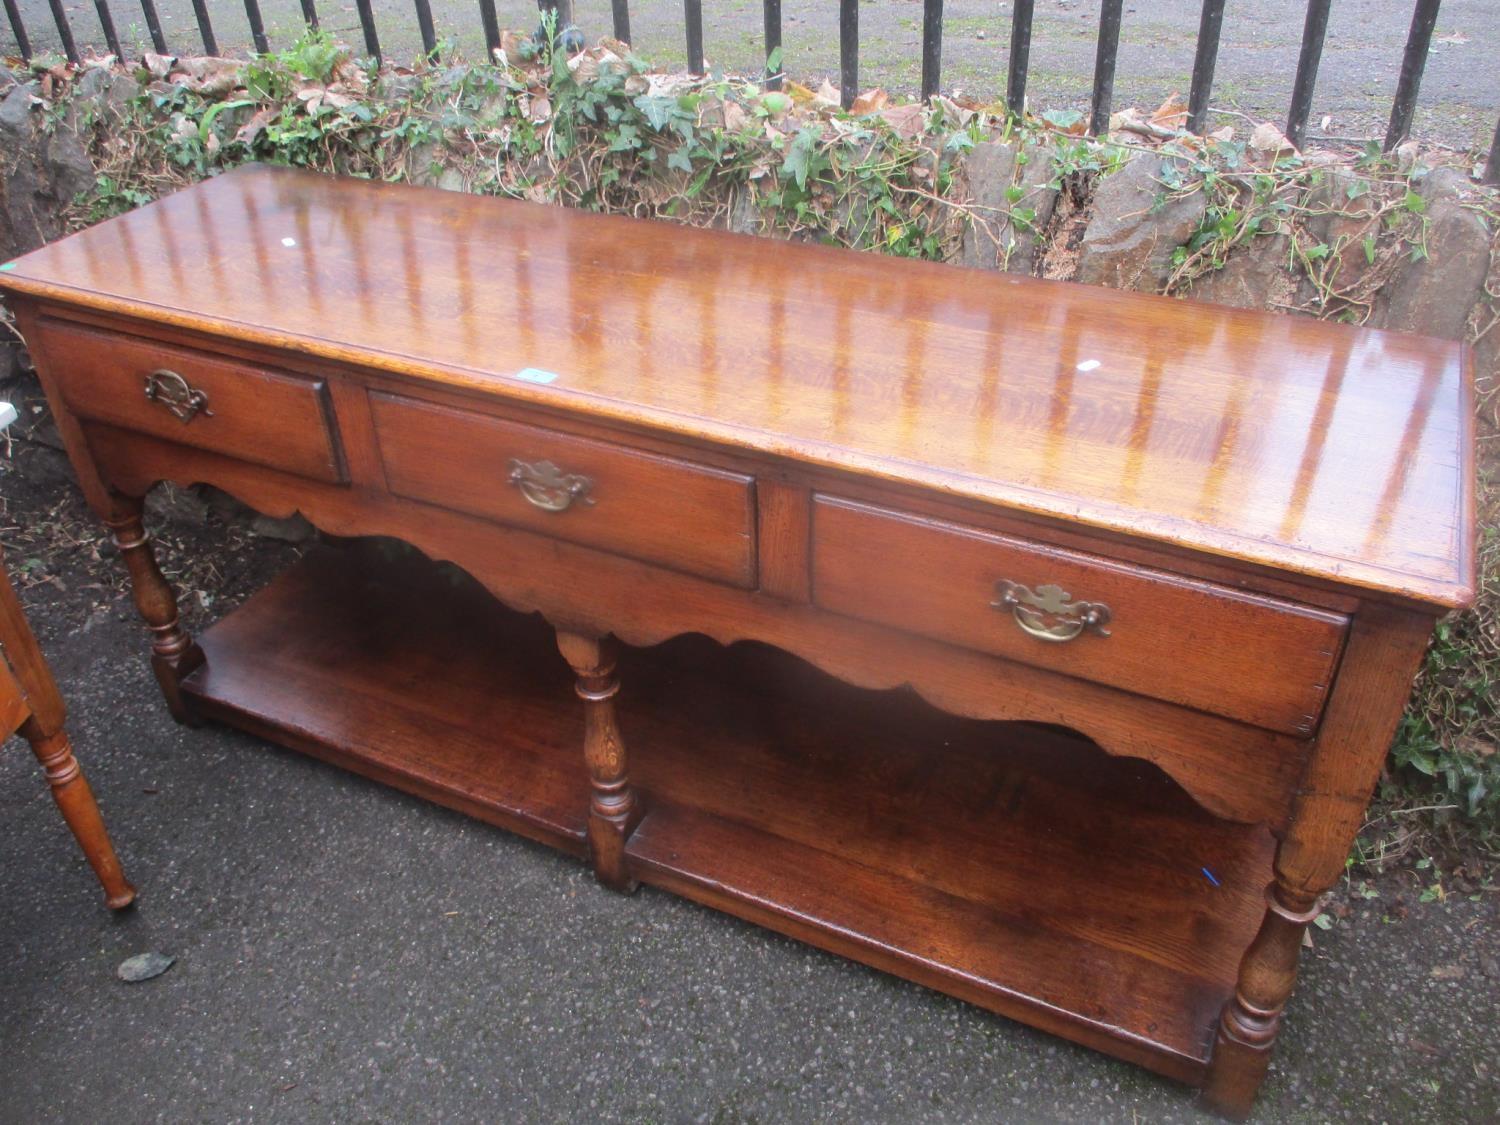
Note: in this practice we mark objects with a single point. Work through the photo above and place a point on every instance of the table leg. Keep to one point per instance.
(174, 655)
(70, 789)
(1381, 657)
(613, 809)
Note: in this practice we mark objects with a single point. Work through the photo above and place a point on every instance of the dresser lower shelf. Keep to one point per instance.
(1014, 866)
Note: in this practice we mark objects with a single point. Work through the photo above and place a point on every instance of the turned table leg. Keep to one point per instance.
(70, 789)
(1251, 1019)
(1381, 657)
(613, 809)
(173, 654)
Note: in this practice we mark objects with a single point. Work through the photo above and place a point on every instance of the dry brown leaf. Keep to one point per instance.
(510, 44)
(827, 95)
(252, 129)
(907, 121)
(1171, 113)
(871, 101)
(158, 66)
(800, 94)
(735, 117)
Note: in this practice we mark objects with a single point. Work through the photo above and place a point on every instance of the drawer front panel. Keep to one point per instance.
(657, 509)
(1244, 656)
(267, 417)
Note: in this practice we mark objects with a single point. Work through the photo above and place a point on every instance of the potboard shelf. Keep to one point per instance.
(1015, 866)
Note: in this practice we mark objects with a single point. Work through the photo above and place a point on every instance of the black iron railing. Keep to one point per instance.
(1315, 29)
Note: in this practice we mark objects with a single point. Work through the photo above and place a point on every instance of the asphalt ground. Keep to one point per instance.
(1460, 96)
(346, 953)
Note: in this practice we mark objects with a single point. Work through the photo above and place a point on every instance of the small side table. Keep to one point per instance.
(31, 706)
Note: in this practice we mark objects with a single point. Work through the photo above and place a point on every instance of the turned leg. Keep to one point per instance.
(1381, 657)
(173, 654)
(613, 810)
(70, 789)
(1251, 1019)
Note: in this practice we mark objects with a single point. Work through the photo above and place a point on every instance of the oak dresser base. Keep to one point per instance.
(1208, 543)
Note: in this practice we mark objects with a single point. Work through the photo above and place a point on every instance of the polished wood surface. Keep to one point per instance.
(634, 504)
(1315, 448)
(266, 417)
(492, 731)
(1208, 540)
(1015, 866)
(940, 579)
(31, 706)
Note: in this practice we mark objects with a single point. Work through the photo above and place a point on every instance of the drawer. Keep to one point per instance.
(251, 413)
(657, 509)
(1247, 657)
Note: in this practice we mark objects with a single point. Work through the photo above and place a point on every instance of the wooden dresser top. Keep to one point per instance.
(1340, 453)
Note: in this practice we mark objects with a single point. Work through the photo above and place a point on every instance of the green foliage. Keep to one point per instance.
(1445, 741)
(595, 131)
(312, 58)
(111, 198)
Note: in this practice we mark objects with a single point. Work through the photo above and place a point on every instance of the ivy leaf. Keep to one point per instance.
(680, 160)
(1064, 119)
(800, 157)
(205, 127)
(657, 109)
(626, 139)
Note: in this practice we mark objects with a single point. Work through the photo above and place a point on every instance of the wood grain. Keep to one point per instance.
(263, 416)
(659, 509)
(31, 706)
(1240, 772)
(1250, 658)
(1315, 448)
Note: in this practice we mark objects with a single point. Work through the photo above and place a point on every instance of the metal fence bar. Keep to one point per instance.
(1104, 65)
(620, 13)
(491, 23)
(310, 13)
(23, 44)
(426, 28)
(1492, 165)
(692, 12)
(153, 26)
(1418, 42)
(367, 25)
(1209, 26)
(771, 10)
(107, 23)
(1020, 57)
(1314, 31)
(848, 52)
(932, 47)
(64, 31)
(257, 27)
(205, 27)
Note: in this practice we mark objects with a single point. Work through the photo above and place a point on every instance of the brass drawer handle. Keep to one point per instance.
(548, 487)
(172, 391)
(1047, 614)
